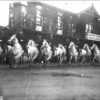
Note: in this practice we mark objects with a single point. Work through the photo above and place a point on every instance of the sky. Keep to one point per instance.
(73, 6)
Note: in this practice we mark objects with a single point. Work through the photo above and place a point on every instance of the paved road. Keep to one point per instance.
(68, 83)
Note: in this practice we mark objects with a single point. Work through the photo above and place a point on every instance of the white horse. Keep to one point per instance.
(73, 51)
(16, 49)
(88, 50)
(60, 53)
(32, 50)
(82, 53)
(96, 52)
(85, 53)
(46, 50)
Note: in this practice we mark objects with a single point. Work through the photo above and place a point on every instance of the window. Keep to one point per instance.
(24, 11)
(38, 13)
(73, 29)
(38, 18)
(60, 23)
(89, 28)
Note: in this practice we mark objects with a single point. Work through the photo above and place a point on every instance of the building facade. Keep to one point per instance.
(90, 19)
(50, 20)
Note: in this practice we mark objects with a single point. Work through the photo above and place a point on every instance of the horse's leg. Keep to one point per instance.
(21, 59)
(76, 59)
(15, 63)
(65, 58)
(11, 61)
(89, 59)
(60, 60)
(70, 59)
(30, 60)
(42, 58)
(93, 59)
(85, 59)
(82, 61)
(49, 57)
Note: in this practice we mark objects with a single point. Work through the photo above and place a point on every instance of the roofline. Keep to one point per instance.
(50, 6)
(47, 5)
(19, 4)
(88, 14)
(83, 12)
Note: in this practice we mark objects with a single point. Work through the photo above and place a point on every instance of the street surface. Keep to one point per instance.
(50, 83)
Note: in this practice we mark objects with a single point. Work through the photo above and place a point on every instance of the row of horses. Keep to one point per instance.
(47, 53)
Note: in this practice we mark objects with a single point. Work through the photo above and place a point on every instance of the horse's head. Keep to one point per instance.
(71, 44)
(45, 43)
(95, 48)
(13, 39)
(86, 47)
(31, 43)
(72, 47)
(61, 46)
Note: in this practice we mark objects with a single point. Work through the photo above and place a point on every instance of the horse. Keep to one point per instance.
(32, 51)
(82, 54)
(8, 54)
(16, 50)
(60, 53)
(73, 51)
(46, 52)
(88, 50)
(96, 53)
(85, 53)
